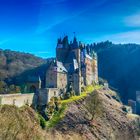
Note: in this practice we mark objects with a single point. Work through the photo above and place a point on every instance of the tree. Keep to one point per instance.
(54, 105)
(14, 89)
(94, 105)
(3, 87)
(17, 89)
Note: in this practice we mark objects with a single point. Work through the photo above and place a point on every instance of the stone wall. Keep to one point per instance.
(41, 98)
(61, 80)
(44, 95)
(16, 99)
(51, 77)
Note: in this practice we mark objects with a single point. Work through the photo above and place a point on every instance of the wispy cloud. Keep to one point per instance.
(133, 20)
(125, 37)
(71, 15)
(4, 41)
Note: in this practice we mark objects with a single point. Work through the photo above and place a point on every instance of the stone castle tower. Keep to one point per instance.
(69, 55)
(95, 67)
(80, 63)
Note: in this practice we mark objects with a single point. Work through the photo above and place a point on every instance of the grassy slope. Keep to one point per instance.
(97, 118)
(23, 123)
(64, 103)
(19, 124)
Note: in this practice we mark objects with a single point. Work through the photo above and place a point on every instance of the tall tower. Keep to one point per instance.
(79, 71)
(95, 67)
(62, 49)
(77, 77)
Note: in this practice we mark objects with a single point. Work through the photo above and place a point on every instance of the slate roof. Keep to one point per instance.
(60, 67)
(33, 79)
(94, 55)
(88, 56)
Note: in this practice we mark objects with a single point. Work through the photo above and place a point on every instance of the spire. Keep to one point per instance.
(59, 43)
(75, 43)
(65, 42)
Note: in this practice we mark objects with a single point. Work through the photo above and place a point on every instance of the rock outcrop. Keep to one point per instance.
(109, 121)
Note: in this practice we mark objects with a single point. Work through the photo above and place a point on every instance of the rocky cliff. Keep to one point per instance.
(108, 123)
(99, 116)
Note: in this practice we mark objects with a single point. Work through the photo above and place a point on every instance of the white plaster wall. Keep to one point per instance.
(16, 99)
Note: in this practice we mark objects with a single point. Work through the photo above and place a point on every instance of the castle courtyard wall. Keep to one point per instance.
(42, 98)
(17, 99)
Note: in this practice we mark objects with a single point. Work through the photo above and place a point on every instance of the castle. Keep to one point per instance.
(75, 66)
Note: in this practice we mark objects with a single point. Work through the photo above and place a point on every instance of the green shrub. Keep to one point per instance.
(58, 115)
(54, 105)
(42, 122)
(83, 89)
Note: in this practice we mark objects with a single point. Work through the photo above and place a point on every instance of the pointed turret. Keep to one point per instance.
(75, 43)
(59, 43)
(65, 42)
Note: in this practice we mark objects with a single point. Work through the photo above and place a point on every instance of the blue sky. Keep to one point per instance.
(34, 25)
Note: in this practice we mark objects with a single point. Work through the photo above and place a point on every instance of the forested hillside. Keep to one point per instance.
(120, 65)
(13, 63)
